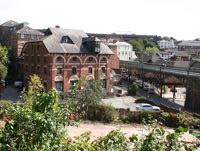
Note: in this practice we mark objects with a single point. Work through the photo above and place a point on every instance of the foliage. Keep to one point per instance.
(3, 62)
(113, 141)
(91, 93)
(81, 143)
(102, 112)
(132, 89)
(34, 88)
(143, 45)
(4, 105)
(141, 100)
(152, 50)
(38, 124)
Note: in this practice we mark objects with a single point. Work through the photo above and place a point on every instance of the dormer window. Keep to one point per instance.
(66, 39)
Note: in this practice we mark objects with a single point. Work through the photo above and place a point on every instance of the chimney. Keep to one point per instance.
(57, 26)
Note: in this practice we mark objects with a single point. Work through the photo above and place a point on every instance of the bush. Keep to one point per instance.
(114, 141)
(141, 100)
(4, 105)
(102, 112)
(132, 89)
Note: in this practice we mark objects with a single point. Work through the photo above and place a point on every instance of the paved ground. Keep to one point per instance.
(11, 93)
(122, 102)
(100, 129)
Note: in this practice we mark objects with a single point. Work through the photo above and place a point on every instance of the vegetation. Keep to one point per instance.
(3, 62)
(141, 46)
(132, 89)
(39, 124)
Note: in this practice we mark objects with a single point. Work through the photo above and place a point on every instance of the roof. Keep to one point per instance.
(28, 30)
(151, 58)
(184, 64)
(182, 54)
(9, 23)
(53, 41)
(190, 43)
(122, 43)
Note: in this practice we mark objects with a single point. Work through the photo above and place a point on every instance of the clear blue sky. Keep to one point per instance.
(176, 18)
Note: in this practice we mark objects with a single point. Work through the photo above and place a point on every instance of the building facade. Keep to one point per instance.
(125, 51)
(191, 46)
(64, 57)
(14, 35)
(166, 44)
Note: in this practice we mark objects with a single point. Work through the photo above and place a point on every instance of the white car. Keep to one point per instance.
(146, 107)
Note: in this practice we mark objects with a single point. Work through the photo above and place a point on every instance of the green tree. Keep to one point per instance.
(138, 46)
(3, 62)
(91, 93)
(152, 50)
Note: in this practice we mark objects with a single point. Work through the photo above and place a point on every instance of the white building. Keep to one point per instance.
(166, 44)
(125, 51)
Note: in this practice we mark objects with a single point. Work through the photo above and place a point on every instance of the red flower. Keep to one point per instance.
(72, 117)
(7, 117)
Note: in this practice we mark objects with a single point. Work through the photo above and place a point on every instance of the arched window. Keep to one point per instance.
(59, 60)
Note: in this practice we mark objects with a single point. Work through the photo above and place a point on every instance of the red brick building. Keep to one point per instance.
(14, 35)
(64, 56)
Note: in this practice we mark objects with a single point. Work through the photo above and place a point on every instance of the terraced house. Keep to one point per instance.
(65, 56)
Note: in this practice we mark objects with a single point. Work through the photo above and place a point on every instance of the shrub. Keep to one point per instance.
(132, 89)
(4, 105)
(141, 100)
(114, 141)
(102, 112)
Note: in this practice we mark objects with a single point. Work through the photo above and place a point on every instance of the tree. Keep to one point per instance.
(152, 50)
(91, 93)
(3, 62)
(141, 46)
(39, 125)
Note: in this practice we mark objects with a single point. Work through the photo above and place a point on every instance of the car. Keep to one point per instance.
(146, 107)
(18, 84)
(139, 83)
(147, 86)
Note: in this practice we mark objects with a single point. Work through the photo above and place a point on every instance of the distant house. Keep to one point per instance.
(166, 44)
(124, 51)
(64, 57)
(191, 46)
(166, 55)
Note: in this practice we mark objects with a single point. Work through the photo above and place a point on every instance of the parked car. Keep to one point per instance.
(146, 107)
(18, 84)
(147, 86)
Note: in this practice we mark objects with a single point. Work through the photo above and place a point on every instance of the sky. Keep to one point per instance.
(174, 18)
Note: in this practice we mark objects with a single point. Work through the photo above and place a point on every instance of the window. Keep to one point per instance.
(45, 59)
(22, 35)
(90, 70)
(45, 85)
(59, 85)
(73, 83)
(73, 70)
(59, 60)
(38, 69)
(104, 83)
(103, 69)
(90, 59)
(126, 53)
(74, 59)
(59, 70)
(32, 68)
(26, 68)
(122, 52)
(45, 70)
(118, 53)
(38, 58)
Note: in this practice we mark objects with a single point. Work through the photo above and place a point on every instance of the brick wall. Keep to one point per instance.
(114, 59)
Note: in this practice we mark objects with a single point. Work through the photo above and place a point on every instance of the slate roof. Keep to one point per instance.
(9, 23)
(190, 43)
(53, 42)
(182, 54)
(28, 30)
